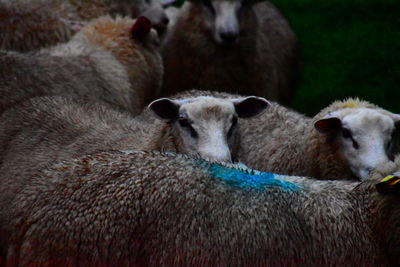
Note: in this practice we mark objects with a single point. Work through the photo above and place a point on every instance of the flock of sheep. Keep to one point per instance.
(109, 155)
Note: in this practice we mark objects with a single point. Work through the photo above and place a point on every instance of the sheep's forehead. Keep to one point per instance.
(206, 109)
(365, 120)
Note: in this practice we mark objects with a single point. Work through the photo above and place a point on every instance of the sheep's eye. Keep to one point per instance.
(346, 133)
(184, 123)
(234, 122)
(355, 144)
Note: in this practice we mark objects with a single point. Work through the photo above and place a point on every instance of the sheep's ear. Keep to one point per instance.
(165, 108)
(250, 106)
(330, 125)
(389, 185)
(141, 28)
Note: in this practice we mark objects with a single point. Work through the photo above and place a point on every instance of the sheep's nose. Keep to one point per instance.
(228, 38)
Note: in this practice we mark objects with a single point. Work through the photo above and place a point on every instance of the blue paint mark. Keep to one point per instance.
(247, 178)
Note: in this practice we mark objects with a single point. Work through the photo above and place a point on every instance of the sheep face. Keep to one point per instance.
(226, 20)
(206, 125)
(362, 136)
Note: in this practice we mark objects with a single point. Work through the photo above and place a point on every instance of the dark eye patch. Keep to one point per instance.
(185, 124)
(347, 134)
(355, 144)
(233, 125)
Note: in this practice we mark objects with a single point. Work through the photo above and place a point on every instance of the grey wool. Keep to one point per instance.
(46, 124)
(285, 141)
(131, 208)
(112, 60)
(258, 53)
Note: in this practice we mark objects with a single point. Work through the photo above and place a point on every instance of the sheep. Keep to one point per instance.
(112, 60)
(131, 208)
(204, 126)
(41, 130)
(347, 139)
(28, 25)
(243, 47)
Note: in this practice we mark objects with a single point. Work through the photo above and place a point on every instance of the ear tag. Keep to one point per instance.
(389, 185)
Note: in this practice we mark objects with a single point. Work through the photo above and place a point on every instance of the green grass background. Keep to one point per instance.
(349, 47)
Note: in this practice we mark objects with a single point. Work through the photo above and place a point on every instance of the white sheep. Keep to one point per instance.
(345, 140)
(244, 47)
(112, 60)
(204, 126)
(131, 208)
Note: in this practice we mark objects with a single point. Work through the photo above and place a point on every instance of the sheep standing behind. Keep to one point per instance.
(28, 25)
(145, 208)
(113, 60)
(345, 140)
(243, 47)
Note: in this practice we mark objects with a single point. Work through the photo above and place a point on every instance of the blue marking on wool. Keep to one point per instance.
(248, 178)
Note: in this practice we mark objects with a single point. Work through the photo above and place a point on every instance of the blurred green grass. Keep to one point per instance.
(350, 48)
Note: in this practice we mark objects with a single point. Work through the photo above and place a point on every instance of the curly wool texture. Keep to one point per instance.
(267, 43)
(46, 125)
(284, 141)
(101, 62)
(79, 196)
(47, 129)
(149, 208)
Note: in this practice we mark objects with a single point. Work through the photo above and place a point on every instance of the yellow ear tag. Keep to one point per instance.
(389, 185)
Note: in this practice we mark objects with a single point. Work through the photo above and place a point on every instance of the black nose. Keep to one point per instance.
(229, 38)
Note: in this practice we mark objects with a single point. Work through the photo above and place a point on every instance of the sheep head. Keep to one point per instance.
(225, 20)
(363, 137)
(207, 125)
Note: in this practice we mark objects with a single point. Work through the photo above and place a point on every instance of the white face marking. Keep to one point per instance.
(365, 139)
(154, 11)
(210, 120)
(215, 144)
(226, 20)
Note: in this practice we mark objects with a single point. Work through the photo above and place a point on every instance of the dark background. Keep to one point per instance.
(349, 47)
